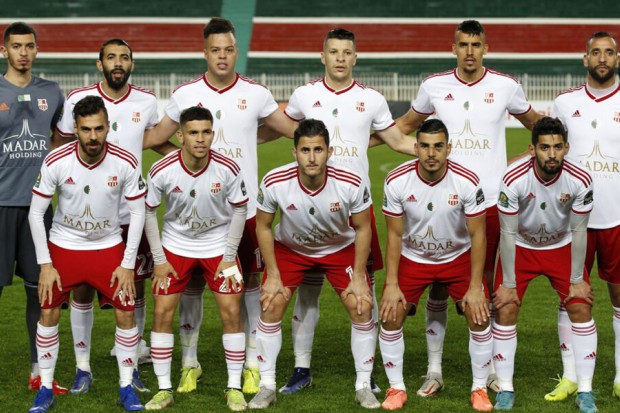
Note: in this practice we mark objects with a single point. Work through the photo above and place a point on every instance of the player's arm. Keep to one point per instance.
(162, 268)
(358, 285)
(48, 275)
(397, 141)
(58, 140)
(407, 123)
(275, 125)
(507, 291)
(165, 148)
(475, 297)
(228, 266)
(160, 133)
(392, 297)
(578, 287)
(528, 120)
(273, 285)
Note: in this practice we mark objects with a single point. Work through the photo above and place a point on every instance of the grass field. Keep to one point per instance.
(538, 358)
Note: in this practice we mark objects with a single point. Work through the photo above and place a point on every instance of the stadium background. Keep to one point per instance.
(530, 37)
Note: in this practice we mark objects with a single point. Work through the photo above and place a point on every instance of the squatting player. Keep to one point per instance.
(430, 201)
(85, 245)
(544, 204)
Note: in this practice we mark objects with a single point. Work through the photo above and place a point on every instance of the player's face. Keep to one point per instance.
(91, 132)
(339, 58)
(195, 137)
(469, 50)
(549, 152)
(311, 155)
(433, 150)
(601, 60)
(116, 65)
(221, 54)
(20, 51)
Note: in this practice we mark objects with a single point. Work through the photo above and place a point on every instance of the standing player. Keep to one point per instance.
(434, 209)
(29, 109)
(206, 206)
(324, 226)
(85, 245)
(591, 114)
(544, 204)
(350, 110)
(472, 101)
(132, 110)
(237, 103)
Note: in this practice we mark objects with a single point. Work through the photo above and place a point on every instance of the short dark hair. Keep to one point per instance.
(117, 42)
(19, 28)
(311, 128)
(89, 106)
(217, 25)
(471, 27)
(599, 35)
(548, 126)
(195, 113)
(433, 126)
(340, 34)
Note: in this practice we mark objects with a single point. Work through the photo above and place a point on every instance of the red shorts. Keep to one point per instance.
(92, 267)
(248, 252)
(492, 223)
(338, 267)
(606, 244)
(144, 259)
(186, 267)
(555, 264)
(415, 277)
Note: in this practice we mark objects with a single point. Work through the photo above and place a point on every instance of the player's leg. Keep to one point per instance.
(190, 320)
(614, 293)
(48, 345)
(436, 324)
(81, 315)
(126, 341)
(567, 385)
(493, 234)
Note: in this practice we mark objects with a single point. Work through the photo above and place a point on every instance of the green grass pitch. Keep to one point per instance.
(538, 358)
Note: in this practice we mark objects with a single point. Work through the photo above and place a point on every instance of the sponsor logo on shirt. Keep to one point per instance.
(588, 198)
(4, 106)
(317, 104)
(576, 114)
(260, 198)
(448, 97)
(69, 181)
(411, 198)
(291, 207)
(503, 200)
(176, 190)
(479, 197)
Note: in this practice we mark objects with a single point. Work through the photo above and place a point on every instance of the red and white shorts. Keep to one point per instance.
(186, 267)
(338, 267)
(606, 244)
(92, 267)
(555, 264)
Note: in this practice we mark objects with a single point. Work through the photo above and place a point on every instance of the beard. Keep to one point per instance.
(549, 170)
(116, 84)
(598, 77)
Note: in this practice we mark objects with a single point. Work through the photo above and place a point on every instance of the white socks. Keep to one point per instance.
(162, 345)
(81, 327)
(436, 324)
(48, 345)
(392, 345)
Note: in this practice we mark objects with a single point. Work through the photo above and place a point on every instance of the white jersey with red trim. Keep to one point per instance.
(313, 223)
(349, 115)
(236, 111)
(129, 116)
(544, 208)
(435, 225)
(198, 204)
(87, 216)
(593, 126)
(475, 115)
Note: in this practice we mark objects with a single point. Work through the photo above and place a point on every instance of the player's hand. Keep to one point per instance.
(231, 274)
(47, 278)
(476, 301)
(161, 277)
(583, 290)
(390, 302)
(504, 296)
(271, 288)
(126, 288)
(358, 287)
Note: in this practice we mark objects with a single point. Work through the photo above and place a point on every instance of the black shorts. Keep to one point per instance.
(17, 254)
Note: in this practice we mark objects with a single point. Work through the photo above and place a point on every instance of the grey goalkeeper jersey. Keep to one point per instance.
(27, 117)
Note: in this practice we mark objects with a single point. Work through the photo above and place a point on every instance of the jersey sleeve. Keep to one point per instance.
(153, 117)
(173, 109)
(473, 202)
(360, 198)
(46, 182)
(269, 105)
(584, 200)
(518, 104)
(154, 191)
(383, 117)
(422, 103)
(64, 126)
(508, 201)
(134, 186)
(293, 109)
(266, 201)
(236, 193)
(392, 201)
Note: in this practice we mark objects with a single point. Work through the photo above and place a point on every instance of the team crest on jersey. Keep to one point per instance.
(334, 207)
(112, 181)
(564, 197)
(503, 200)
(216, 187)
(616, 116)
(489, 97)
(42, 104)
(359, 106)
(242, 104)
(135, 117)
(453, 199)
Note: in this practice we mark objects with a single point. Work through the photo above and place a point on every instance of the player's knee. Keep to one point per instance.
(507, 315)
(579, 312)
(124, 319)
(394, 324)
(49, 316)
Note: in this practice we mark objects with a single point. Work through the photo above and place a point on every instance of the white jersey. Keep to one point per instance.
(435, 226)
(87, 217)
(314, 224)
(349, 115)
(236, 111)
(475, 115)
(129, 116)
(544, 208)
(593, 126)
(198, 211)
